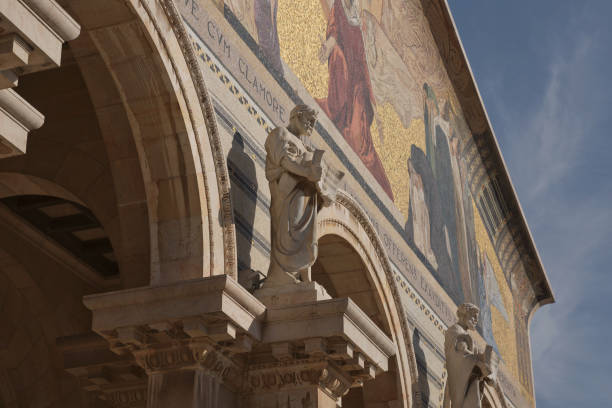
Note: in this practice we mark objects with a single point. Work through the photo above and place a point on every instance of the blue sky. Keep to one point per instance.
(543, 70)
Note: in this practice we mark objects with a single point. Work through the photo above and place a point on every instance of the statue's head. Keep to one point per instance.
(468, 315)
(302, 119)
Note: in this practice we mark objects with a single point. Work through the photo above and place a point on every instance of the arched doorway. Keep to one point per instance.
(352, 263)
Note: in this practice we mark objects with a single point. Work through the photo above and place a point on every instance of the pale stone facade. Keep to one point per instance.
(130, 259)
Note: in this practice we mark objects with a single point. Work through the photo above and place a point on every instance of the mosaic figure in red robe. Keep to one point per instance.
(350, 100)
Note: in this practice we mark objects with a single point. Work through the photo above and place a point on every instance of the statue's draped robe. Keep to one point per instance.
(463, 386)
(293, 206)
(350, 100)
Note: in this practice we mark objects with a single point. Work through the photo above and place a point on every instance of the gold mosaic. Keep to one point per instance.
(393, 147)
(301, 30)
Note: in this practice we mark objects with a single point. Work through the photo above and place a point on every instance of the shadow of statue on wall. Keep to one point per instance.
(423, 384)
(243, 184)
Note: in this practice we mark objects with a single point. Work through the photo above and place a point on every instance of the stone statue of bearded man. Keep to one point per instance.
(300, 183)
(468, 368)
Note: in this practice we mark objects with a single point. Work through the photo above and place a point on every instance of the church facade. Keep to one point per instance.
(135, 210)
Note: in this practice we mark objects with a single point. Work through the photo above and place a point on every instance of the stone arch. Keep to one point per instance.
(209, 148)
(69, 158)
(347, 220)
(143, 57)
(140, 68)
(153, 172)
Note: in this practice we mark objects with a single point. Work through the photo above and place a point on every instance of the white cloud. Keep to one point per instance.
(544, 147)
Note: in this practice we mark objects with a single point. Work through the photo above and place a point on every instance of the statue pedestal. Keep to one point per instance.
(293, 294)
(314, 349)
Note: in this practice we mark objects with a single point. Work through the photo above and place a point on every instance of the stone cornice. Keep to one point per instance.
(17, 119)
(328, 318)
(218, 295)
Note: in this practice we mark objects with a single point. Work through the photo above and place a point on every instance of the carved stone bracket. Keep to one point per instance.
(127, 397)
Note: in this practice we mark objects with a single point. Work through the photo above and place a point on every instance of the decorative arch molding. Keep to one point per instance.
(206, 147)
(348, 220)
(223, 180)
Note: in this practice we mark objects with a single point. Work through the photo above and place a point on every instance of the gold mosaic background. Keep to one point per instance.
(394, 150)
(301, 29)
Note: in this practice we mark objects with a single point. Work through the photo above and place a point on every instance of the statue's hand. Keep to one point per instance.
(485, 369)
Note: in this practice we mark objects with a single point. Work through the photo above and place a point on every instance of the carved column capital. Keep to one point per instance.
(317, 372)
(192, 354)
